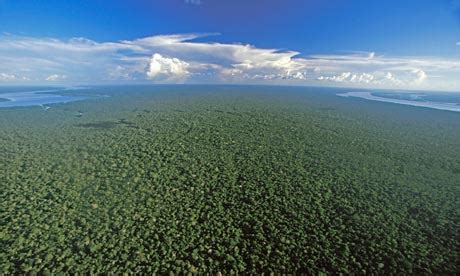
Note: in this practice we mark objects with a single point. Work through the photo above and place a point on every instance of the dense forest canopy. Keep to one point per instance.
(228, 179)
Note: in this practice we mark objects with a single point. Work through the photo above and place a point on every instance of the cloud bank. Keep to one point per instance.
(180, 58)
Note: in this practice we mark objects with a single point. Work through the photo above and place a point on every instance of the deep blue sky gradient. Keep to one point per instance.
(390, 27)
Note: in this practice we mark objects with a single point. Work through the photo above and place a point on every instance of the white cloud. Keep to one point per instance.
(339, 78)
(458, 43)
(420, 76)
(164, 68)
(392, 78)
(351, 78)
(179, 58)
(7, 77)
(56, 77)
(232, 62)
(403, 72)
(415, 77)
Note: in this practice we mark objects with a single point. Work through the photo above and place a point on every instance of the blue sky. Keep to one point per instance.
(361, 43)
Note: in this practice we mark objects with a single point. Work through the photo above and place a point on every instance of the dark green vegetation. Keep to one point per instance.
(159, 179)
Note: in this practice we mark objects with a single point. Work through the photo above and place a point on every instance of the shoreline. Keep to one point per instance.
(433, 105)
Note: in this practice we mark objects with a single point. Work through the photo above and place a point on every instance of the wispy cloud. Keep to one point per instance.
(194, 2)
(180, 58)
(56, 77)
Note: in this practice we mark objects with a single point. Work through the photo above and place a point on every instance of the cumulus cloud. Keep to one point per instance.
(167, 68)
(349, 77)
(415, 77)
(388, 72)
(420, 76)
(180, 58)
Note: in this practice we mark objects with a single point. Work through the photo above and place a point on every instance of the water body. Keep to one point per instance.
(37, 98)
(415, 99)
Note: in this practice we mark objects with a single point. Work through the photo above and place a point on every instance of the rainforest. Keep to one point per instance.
(227, 179)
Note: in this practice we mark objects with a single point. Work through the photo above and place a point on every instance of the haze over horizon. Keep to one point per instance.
(387, 45)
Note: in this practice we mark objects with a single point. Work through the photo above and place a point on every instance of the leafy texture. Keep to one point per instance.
(228, 179)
